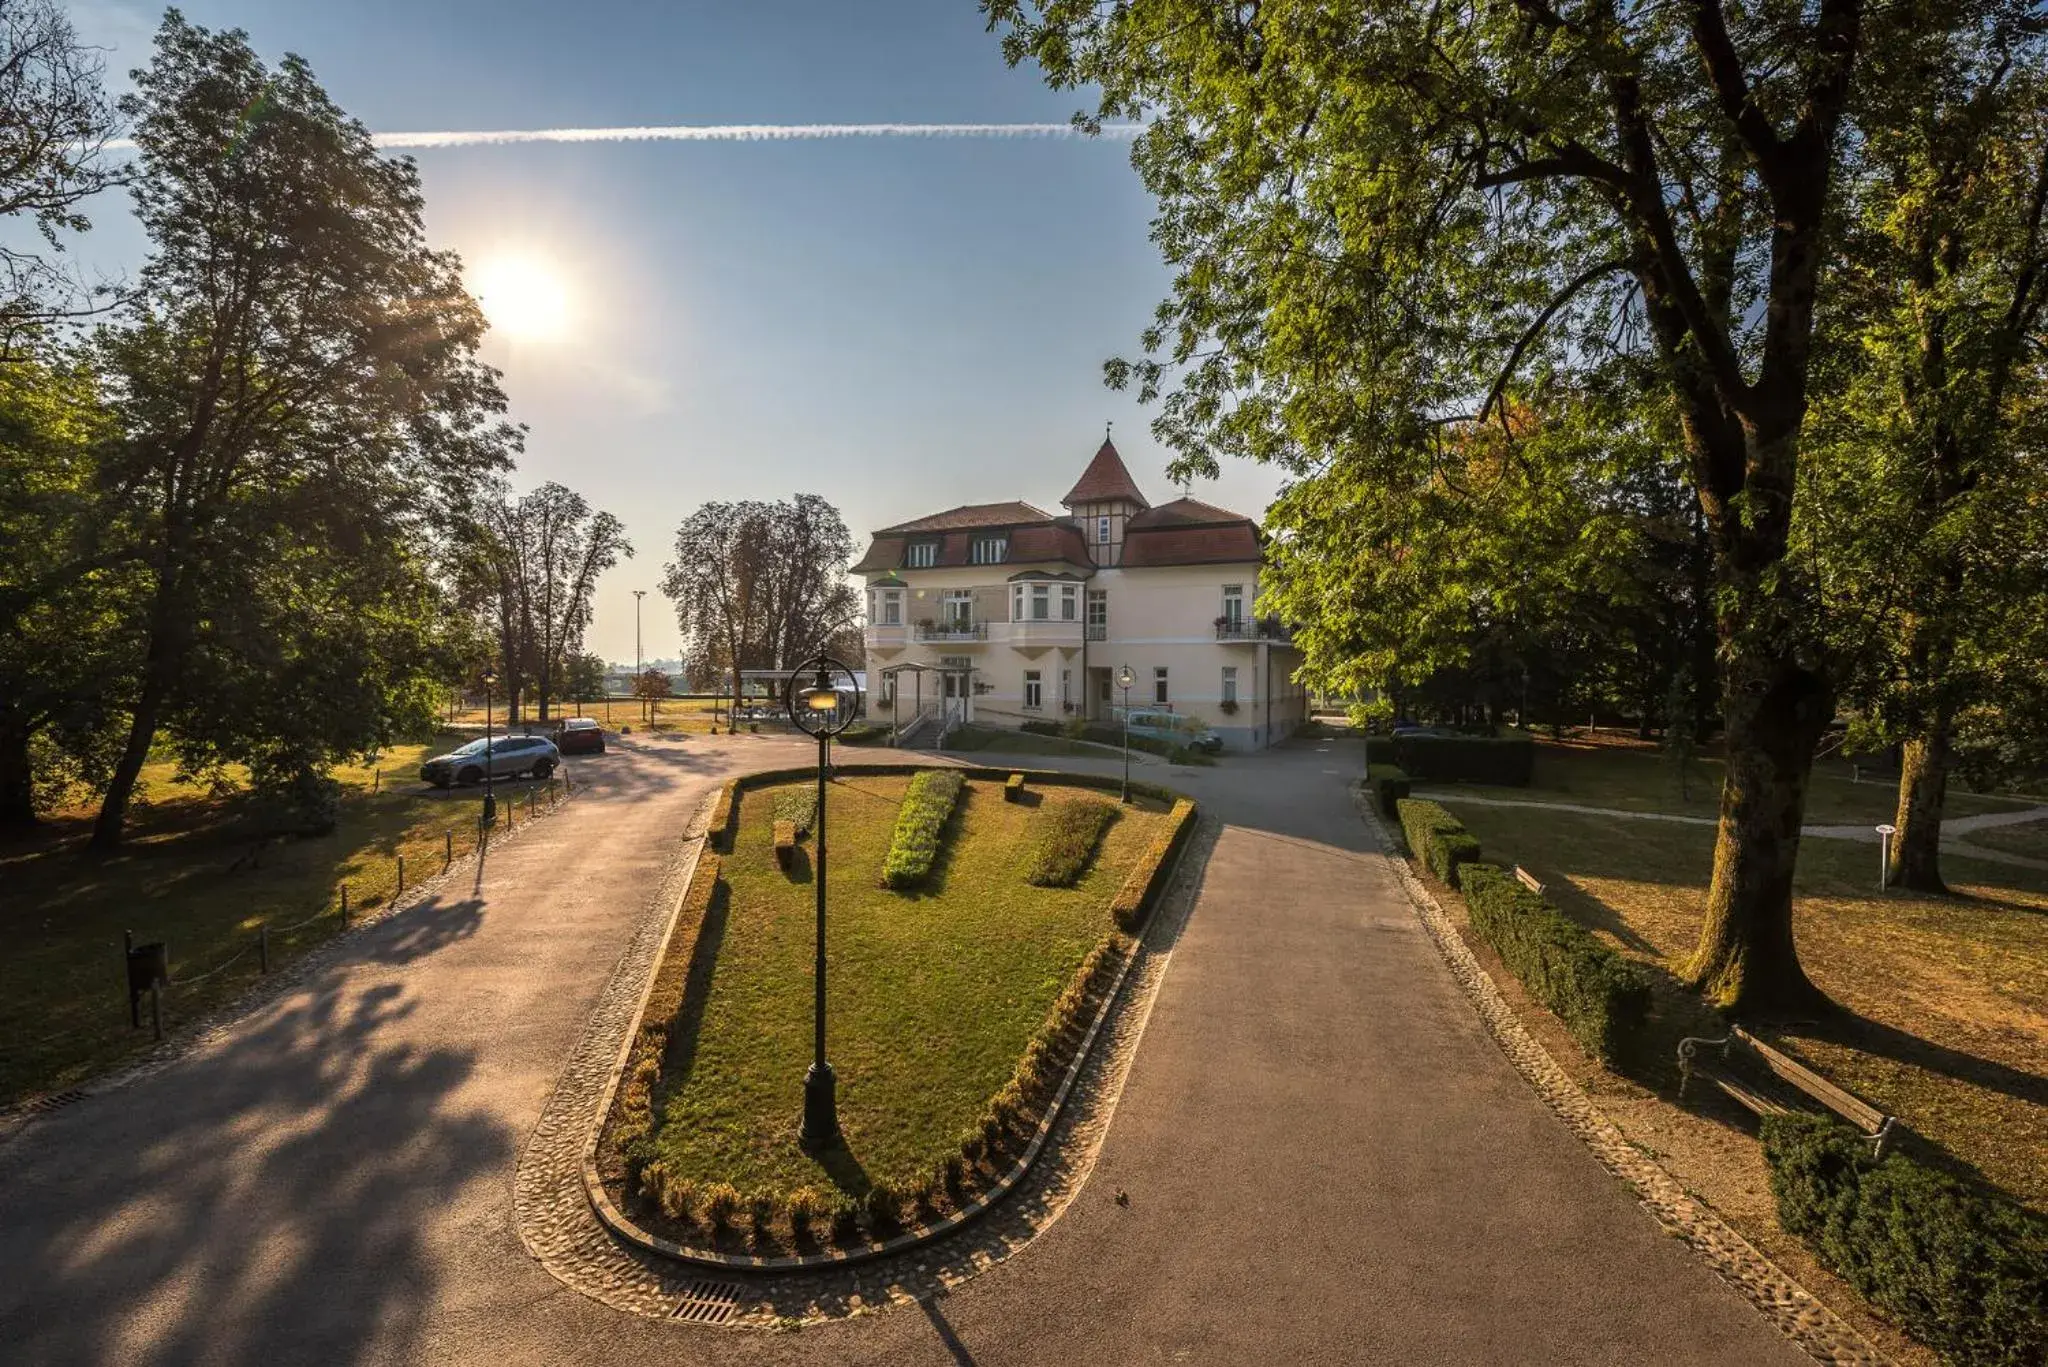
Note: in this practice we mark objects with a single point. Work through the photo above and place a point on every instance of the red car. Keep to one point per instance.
(580, 736)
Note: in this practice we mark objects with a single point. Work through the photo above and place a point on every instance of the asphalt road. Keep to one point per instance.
(1327, 1160)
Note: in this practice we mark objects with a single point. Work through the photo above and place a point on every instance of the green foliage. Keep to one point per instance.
(861, 733)
(1389, 785)
(1436, 837)
(1963, 1270)
(921, 828)
(1141, 887)
(1602, 998)
(1507, 760)
(1063, 836)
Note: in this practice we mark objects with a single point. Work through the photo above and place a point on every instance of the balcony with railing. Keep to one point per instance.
(1044, 631)
(952, 632)
(885, 635)
(1249, 630)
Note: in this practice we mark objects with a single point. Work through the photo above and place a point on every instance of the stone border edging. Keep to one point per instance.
(1791, 1309)
(626, 1228)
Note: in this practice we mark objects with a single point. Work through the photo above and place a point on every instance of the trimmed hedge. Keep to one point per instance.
(1508, 760)
(799, 807)
(1013, 788)
(723, 826)
(785, 844)
(1964, 1271)
(1063, 837)
(1134, 900)
(1040, 728)
(1601, 997)
(921, 827)
(1436, 838)
(1389, 785)
(862, 733)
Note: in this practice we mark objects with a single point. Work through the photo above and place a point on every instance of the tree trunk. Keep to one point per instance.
(17, 777)
(1775, 713)
(1923, 792)
(107, 827)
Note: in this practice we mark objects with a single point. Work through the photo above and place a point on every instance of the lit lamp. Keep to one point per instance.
(490, 798)
(1125, 677)
(822, 709)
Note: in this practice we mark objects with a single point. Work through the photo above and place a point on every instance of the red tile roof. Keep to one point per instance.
(1049, 540)
(1190, 532)
(1183, 512)
(1009, 514)
(1106, 478)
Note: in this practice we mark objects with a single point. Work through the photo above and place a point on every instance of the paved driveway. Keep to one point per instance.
(331, 1183)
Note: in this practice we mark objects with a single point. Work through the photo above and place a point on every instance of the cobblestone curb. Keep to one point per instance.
(1790, 1307)
(564, 1234)
(204, 1029)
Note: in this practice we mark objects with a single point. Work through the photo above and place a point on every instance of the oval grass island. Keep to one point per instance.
(966, 976)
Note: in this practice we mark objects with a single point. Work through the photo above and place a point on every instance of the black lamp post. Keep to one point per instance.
(1125, 677)
(490, 798)
(820, 708)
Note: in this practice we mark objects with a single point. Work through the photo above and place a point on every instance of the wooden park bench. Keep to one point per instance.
(1771, 1083)
(1528, 880)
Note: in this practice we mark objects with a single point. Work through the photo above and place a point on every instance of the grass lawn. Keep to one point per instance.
(1008, 742)
(63, 992)
(933, 995)
(670, 714)
(1945, 1000)
(1635, 776)
(2029, 838)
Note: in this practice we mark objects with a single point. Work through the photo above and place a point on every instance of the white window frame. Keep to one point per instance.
(1098, 608)
(892, 607)
(956, 607)
(990, 550)
(1066, 688)
(1102, 530)
(1034, 691)
(1233, 604)
(1041, 602)
(1070, 603)
(1230, 683)
(1161, 693)
(921, 555)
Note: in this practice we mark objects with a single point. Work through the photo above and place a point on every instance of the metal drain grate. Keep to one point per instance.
(55, 1101)
(707, 1302)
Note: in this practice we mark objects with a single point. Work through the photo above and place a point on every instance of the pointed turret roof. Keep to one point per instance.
(1106, 478)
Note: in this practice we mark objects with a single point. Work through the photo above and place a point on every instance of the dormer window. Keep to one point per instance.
(922, 555)
(991, 550)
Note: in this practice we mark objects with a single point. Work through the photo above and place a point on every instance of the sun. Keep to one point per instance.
(522, 296)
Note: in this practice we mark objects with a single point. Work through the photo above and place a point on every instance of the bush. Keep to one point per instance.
(1964, 1271)
(1041, 728)
(1135, 898)
(1506, 760)
(721, 1202)
(1601, 997)
(1013, 788)
(805, 1207)
(1062, 837)
(920, 828)
(861, 733)
(722, 828)
(798, 805)
(1389, 785)
(1435, 837)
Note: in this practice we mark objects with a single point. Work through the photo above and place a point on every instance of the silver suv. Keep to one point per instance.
(509, 756)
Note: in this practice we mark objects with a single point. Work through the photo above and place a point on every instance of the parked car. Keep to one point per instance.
(1174, 729)
(580, 736)
(508, 756)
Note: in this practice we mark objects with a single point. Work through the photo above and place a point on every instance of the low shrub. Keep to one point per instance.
(785, 845)
(1507, 760)
(861, 733)
(1600, 996)
(1435, 837)
(1389, 785)
(804, 1207)
(1013, 788)
(1041, 728)
(846, 1219)
(1062, 838)
(1135, 898)
(1964, 1271)
(722, 829)
(761, 1212)
(722, 1201)
(798, 805)
(882, 1210)
(920, 828)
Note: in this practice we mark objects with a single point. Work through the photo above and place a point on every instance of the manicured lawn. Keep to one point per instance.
(63, 994)
(2029, 838)
(1945, 1000)
(1000, 740)
(1636, 776)
(933, 994)
(670, 714)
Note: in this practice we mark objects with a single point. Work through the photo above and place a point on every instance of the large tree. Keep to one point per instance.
(300, 372)
(761, 585)
(1931, 450)
(530, 565)
(1383, 216)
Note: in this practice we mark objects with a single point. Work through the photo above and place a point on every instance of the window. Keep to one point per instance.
(1098, 607)
(1041, 602)
(958, 608)
(1034, 691)
(1070, 607)
(922, 555)
(990, 550)
(1016, 602)
(1066, 688)
(1159, 685)
(1233, 604)
(892, 607)
(1102, 530)
(1230, 684)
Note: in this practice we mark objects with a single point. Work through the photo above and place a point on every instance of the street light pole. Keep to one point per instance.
(824, 712)
(490, 798)
(1125, 677)
(638, 667)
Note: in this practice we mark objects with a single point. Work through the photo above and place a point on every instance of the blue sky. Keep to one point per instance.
(900, 325)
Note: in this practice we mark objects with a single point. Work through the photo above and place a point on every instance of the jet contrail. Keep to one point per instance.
(729, 132)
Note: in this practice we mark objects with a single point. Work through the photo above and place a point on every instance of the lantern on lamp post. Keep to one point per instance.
(490, 798)
(1125, 677)
(820, 705)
